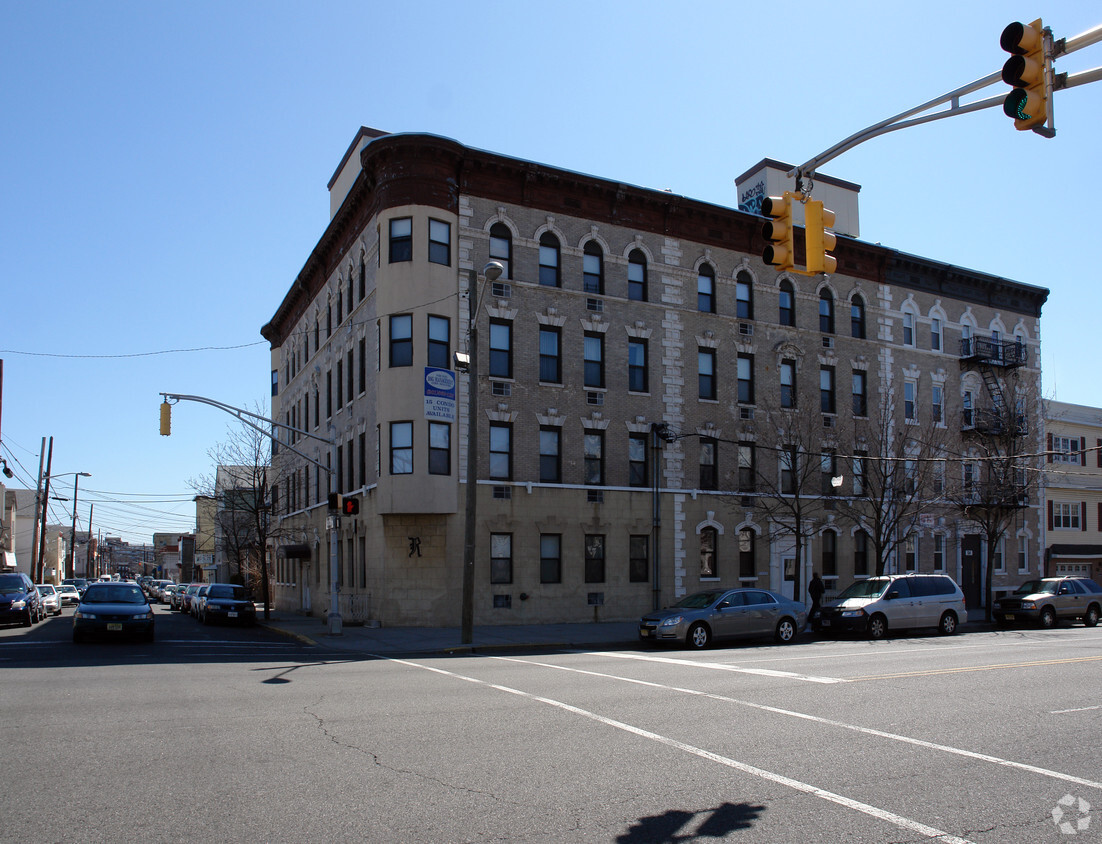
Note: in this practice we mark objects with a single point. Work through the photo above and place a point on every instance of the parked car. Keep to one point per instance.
(160, 594)
(69, 594)
(81, 583)
(198, 599)
(51, 600)
(1049, 600)
(113, 609)
(19, 600)
(875, 605)
(227, 602)
(189, 596)
(704, 617)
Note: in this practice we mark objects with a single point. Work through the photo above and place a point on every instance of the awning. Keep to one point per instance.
(301, 551)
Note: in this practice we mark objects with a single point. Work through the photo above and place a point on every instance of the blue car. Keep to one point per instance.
(117, 610)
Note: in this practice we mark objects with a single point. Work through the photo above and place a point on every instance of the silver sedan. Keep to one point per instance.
(704, 617)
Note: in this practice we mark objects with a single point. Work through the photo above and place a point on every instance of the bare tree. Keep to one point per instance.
(897, 470)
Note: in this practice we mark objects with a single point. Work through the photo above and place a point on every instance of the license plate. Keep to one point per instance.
(825, 622)
(232, 614)
(1009, 616)
(114, 626)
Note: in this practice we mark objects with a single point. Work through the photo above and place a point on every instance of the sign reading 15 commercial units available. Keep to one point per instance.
(439, 394)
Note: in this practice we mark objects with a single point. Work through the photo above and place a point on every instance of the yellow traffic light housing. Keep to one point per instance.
(780, 252)
(166, 419)
(818, 241)
(1028, 70)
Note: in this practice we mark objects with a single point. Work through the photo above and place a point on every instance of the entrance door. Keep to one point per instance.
(971, 563)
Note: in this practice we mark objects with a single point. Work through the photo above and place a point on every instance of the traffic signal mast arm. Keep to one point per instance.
(900, 121)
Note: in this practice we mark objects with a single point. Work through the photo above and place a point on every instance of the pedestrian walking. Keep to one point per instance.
(815, 589)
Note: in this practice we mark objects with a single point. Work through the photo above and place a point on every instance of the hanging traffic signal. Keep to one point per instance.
(817, 240)
(166, 419)
(350, 506)
(1027, 70)
(780, 252)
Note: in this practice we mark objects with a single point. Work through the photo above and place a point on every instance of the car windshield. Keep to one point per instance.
(114, 595)
(872, 588)
(697, 601)
(45, 590)
(222, 591)
(11, 583)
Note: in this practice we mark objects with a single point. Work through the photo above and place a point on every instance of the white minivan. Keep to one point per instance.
(876, 605)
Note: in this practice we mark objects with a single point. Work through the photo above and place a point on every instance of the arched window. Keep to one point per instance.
(593, 268)
(826, 312)
(549, 260)
(857, 318)
(746, 565)
(708, 567)
(744, 295)
(706, 289)
(637, 276)
(501, 248)
(829, 560)
(787, 304)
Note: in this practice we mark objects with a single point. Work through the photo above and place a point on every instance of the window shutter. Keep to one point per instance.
(1050, 522)
(1098, 454)
(1049, 448)
(1082, 451)
(1083, 519)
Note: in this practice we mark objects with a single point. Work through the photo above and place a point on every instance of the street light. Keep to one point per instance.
(492, 271)
(70, 564)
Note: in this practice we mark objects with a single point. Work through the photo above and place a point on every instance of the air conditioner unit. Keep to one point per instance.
(595, 399)
(746, 329)
(746, 413)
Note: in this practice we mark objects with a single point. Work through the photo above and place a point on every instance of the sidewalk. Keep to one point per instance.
(392, 641)
(395, 641)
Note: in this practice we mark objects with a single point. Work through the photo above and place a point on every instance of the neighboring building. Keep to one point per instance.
(620, 310)
(1073, 489)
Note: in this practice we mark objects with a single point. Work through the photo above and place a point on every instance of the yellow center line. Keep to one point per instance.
(967, 668)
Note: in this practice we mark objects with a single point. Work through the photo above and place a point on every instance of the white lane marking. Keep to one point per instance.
(1080, 709)
(928, 745)
(723, 666)
(849, 803)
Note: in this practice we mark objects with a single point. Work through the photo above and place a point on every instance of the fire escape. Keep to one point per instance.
(999, 419)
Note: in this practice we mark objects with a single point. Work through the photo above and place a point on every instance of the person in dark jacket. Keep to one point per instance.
(815, 589)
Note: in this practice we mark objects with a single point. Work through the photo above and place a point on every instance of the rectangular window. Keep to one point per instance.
(747, 567)
(401, 340)
(440, 342)
(966, 408)
(328, 394)
(826, 389)
(788, 383)
(501, 558)
(340, 384)
(637, 281)
(501, 248)
(860, 463)
(830, 554)
(1065, 515)
(860, 390)
(594, 445)
(788, 457)
(638, 558)
(744, 302)
(708, 471)
(860, 553)
(592, 273)
(440, 242)
(594, 346)
(637, 366)
(501, 349)
(787, 315)
(637, 459)
(746, 468)
(1000, 558)
(708, 552)
(549, 261)
(1065, 450)
(363, 366)
(550, 355)
(275, 382)
(1023, 553)
(363, 460)
(939, 552)
(401, 448)
(501, 452)
(550, 558)
(935, 334)
(594, 558)
(746, 379)
(910, 408)
(440, 448)
(910, 553)
(936, 403)
(908, 329)
(401, 239)
(550, 457)
(706, 373)
(828, 468)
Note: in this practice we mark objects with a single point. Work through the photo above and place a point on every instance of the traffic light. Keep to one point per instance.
(780, 252)
(166, 419)
(335, 502)
(1027, 70)
(818, 240)
(350, 506)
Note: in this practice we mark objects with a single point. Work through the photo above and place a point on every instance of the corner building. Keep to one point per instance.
(619, 309)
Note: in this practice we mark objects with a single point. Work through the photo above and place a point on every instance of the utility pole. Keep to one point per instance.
(37, 509)
(45, 505)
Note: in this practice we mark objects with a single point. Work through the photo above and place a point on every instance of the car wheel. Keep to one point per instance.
(1048, 618)
(29, 620)
(878, 627)
(77, 638)
(948, 624)
(1090, 617)
(786, 631)
(699, 636)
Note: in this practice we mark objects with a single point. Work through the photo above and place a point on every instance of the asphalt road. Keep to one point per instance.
(216, 733)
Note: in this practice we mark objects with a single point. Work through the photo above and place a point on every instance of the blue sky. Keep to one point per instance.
(164, 172)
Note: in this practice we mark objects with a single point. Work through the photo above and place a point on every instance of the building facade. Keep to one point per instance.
(652, 398)
(1073, 489)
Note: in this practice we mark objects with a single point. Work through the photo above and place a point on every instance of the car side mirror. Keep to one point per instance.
(893, 595)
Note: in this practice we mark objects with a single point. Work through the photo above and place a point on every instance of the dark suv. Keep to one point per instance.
(19, 600)
(1051, 599)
